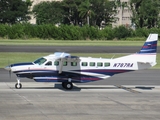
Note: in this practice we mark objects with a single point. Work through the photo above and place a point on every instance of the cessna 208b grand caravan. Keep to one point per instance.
(67, 69)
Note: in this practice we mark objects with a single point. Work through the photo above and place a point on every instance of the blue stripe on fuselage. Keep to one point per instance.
(21, 64)
(40, 72)
(48, 75)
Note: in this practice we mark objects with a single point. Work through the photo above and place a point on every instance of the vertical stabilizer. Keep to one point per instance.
(150, 46)
(147, 54)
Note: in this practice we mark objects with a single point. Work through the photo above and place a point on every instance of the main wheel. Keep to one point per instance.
(67, 85)
(18, 86)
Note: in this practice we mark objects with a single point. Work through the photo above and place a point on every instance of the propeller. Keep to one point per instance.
(10, 73)
(9, 69)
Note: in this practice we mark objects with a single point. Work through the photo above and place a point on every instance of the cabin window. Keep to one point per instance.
(56, 63)
(84, 63)
(99, 64)
(106, 64)
(73, 63)
(65, 63)
(49, 63)
(92, 63)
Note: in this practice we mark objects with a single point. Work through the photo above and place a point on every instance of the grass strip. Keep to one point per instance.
(72, 42)
(17, 57)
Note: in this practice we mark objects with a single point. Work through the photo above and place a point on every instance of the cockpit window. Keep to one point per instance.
(40, 61)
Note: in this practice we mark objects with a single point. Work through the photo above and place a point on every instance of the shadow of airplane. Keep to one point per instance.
(144, 87)
(76, 88)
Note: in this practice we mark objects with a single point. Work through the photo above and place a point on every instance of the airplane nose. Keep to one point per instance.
(8, 68)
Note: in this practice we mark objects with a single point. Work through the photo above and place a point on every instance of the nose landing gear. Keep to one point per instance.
(18, 85)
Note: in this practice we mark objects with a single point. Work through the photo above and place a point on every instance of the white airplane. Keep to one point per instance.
(67, 69)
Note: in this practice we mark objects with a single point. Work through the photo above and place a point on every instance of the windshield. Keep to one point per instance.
(40, 61)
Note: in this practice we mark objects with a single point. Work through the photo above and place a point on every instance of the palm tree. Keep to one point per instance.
(85, 11)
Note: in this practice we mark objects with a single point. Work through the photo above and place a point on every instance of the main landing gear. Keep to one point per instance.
(67, 85)
(18, 85)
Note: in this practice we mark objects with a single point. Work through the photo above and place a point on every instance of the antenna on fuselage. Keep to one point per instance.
(113, 56)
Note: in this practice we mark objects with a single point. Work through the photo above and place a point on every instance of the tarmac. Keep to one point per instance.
(48, 101)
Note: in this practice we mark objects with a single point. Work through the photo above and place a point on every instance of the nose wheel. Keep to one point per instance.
(18, 85)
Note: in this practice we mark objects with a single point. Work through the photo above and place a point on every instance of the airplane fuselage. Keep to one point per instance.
(84, 70)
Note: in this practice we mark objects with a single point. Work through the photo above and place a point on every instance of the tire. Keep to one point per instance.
(18, 86)
(67, 85)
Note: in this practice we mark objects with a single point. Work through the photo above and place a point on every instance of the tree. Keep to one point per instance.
(91, 12)
(145, 13)
(71, 13)
(13, 11)
(48, 12)
(74, 12)
(104, 11)
(85, 11)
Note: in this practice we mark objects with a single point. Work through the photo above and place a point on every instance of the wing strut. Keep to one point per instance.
(65, 57)
(61, 66)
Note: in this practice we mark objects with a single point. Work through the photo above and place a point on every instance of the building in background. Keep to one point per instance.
(123, 15)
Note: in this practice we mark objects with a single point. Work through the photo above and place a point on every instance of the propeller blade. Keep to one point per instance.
(10, 73)
(9, 68)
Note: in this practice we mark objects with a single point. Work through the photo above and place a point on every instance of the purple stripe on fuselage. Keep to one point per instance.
(104, 71)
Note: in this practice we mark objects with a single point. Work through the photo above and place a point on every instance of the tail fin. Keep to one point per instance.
(147, 54)
(150, 46)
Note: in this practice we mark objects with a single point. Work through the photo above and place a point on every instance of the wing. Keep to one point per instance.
(62, 57)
